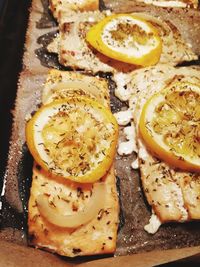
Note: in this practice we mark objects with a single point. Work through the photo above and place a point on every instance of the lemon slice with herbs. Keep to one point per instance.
(74, 138)
(126, 38)
(170, 125)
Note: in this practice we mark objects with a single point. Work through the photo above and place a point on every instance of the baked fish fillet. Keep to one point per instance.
(129, 86)
(160, 3)
(73, 50)
(173, 195)
(57, 81)
(99, 235)
(171, 3)
(70, 6)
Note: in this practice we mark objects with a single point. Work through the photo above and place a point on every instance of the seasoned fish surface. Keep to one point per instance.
(69, 6)
(73, 50)
(173, 195)
(171, 3)
(97, 236)
(61, 84)
(160, 3)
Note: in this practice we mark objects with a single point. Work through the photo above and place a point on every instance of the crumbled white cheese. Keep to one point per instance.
(126, 148)
(135, 164)
(153, 225)
(123, 117)
(121, 92)
(129, 132)
(142, 151)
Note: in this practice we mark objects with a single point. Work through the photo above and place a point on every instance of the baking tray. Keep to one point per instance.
(13, 25)
(131, 237)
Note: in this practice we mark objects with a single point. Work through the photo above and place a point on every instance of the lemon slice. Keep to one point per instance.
(170, 125)
(126, 38)
(73, 138)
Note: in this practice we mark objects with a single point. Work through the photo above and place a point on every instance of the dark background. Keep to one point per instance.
(13, 23)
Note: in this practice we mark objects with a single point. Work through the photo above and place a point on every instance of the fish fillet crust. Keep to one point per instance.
(99, 235)
(69, 6)
(73, 50)
(172, 194)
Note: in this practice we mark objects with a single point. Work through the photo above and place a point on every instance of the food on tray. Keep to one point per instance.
(69, 211)
(173, 194)
(70, 6)
(129, 86)
(169, 125)
(73, 50)
(62, 84)
(171, 3)
(98, 236)
(126, 38)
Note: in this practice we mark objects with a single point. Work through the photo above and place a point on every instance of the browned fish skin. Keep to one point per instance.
(173, 195)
